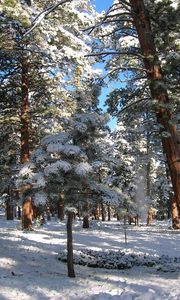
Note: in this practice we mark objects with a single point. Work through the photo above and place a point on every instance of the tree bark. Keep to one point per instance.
(9, 205)
(61, 207)
(27, 213)
(19, 213)
(85, 207)
(174, 213)
(150, 217)
(103, 213)
(70, 265)
(96, 212)
(109, 212)
(158, 92)
(9, 209)
(24, 111)
(48, 211)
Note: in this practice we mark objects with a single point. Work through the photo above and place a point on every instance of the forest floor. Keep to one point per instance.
(30, 269)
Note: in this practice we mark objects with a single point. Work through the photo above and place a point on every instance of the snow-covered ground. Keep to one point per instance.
(30, 269)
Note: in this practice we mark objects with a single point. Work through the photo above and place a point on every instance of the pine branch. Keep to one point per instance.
(131, 104)
(118, 20)
(106, 53)
(118, 15)
(44, 14)
(111, 9)
(120, 29)
(125, 69)
(101, 22)
(133, 79)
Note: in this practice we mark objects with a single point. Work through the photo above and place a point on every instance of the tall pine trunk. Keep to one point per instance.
(174, 213)
(60, 207)
(109, 212)
(159, 93)
(27, 207)
(173, 205)
(70, 265)
(103, 212)
(24, 111)
(150, 217)
(9, 210)
(27, 213)
(85, 206)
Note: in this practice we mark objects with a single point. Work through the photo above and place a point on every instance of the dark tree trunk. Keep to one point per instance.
(48, 211)
(70, 265)
(103, 213)
(96, 212)
(158, 92)
(79, 212)
(27, 207)
(109, 212)
(86, 221)
(61, 207)
(24, 111)
(85, 207)
(19, 213)
(9, 205)
(9, 209)
(27, 213)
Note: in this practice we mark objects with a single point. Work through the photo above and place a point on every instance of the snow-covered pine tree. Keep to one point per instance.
(132, 38)
(42, 63)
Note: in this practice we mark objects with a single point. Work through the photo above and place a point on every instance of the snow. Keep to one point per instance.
(55, 167)
(30, 269)
(83, 168)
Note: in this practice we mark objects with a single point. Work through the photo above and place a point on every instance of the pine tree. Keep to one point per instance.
(38, 63)
(131, 36)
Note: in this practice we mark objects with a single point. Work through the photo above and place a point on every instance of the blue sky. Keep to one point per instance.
(102, 4)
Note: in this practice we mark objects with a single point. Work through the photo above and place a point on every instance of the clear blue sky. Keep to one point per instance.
(99, 6)
(102, 4)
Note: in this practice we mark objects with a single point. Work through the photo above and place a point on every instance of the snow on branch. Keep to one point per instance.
(61, 137)
(83, 169)
(45, 13)
(56, 167)
(106, 53)
(131, 104)
(27, 169)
